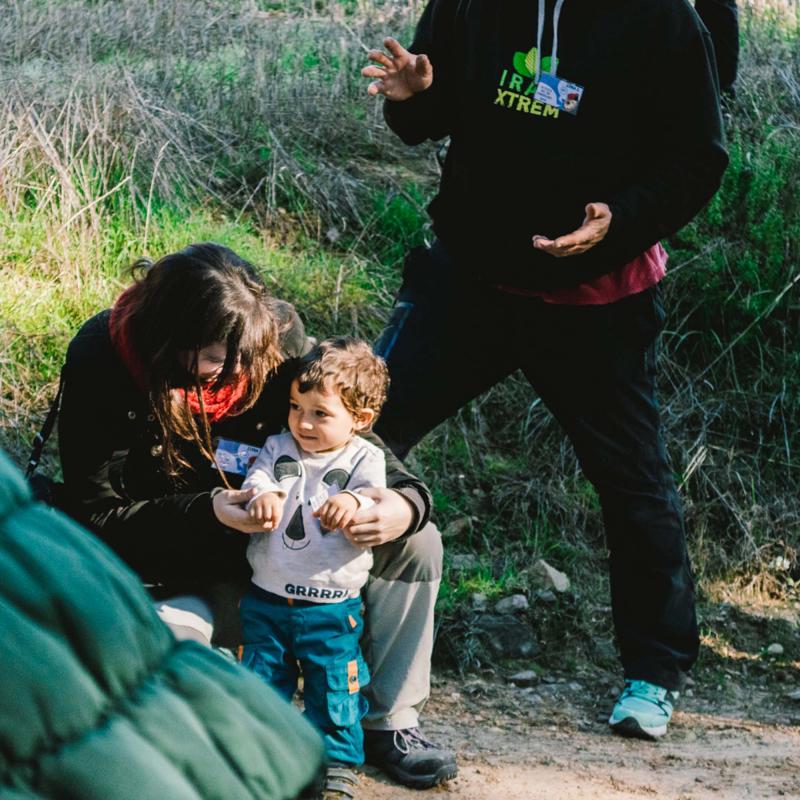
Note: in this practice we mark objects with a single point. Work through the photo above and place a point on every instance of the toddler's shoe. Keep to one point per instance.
(341, 782)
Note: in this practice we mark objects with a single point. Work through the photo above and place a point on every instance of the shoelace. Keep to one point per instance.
(411, 738)
(643, 690)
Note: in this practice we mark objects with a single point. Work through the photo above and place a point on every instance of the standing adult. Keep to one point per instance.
(581, 134)
(166, 399)
(721, 17)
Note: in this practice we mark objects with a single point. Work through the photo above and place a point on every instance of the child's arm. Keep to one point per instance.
(337, 512)
(267, 506)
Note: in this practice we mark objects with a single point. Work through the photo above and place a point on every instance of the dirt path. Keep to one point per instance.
(552, 742)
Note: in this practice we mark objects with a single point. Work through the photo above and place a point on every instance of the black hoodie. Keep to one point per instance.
(646, 139)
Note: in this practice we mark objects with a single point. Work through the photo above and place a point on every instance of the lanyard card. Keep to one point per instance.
(234, 457)
(556, 92)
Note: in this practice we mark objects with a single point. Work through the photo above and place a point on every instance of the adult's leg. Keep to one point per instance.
(188, 617)
(721, 17)
(445, 344)
(401, 595)
(596, 373)
(400, 598)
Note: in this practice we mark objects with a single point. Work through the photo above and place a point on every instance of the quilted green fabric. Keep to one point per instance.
(97, 700)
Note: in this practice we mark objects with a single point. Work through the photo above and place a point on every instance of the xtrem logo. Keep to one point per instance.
(518, 86)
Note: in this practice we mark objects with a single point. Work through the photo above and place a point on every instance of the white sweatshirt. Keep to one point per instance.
(298, 558)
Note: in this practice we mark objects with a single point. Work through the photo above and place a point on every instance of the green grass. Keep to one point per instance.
(248, 124)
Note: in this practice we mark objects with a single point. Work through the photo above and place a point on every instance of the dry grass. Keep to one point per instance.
(130, 129)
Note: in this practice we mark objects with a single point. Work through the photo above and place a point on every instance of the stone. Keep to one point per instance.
(546, 596)
(506, 636)
(534, 699)
(775, 649)
(509, 605)
(689, 682)
(479, 601)
(466, 562)
(548, 577)
(525, 678)
(550, 689)
(458, 527)
(795, 695)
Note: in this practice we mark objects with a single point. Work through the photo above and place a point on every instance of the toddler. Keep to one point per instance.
(304, 603)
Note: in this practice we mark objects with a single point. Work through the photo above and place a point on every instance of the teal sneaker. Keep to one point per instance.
(643, 710)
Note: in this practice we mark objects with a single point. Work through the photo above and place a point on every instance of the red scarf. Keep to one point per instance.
(218, 403)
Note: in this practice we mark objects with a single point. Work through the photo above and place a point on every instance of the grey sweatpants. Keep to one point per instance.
(400, 598)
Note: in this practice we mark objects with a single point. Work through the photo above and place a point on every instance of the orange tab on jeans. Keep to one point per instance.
(351, 620)
(352, 677)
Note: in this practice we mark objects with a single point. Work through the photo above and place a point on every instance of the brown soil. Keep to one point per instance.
(551, 741)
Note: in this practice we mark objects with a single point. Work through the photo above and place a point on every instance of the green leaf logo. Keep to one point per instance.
(525, 63)
(530, 61)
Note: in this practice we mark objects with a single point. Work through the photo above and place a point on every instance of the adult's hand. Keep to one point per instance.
(229, 509)
(400, 74)
(592, 231)
(384, 522)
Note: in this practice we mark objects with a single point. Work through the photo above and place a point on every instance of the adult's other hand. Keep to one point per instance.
(384, 522)
(400, 74)
(593, 230)
(229, 509)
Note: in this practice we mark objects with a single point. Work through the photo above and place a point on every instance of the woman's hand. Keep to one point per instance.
(386, 521)
(593, 231)
(400, 74)
(229, 509)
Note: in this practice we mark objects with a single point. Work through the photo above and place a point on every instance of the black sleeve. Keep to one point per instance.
(402, 481)
(163, 539)
(686, 156)
(721, 17)
(429, 114)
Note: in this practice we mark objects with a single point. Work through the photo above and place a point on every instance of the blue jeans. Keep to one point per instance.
(321, 639)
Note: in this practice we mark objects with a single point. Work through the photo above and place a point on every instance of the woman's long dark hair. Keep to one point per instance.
(201, 295)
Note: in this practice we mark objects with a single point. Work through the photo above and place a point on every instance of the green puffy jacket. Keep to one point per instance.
(98, 700)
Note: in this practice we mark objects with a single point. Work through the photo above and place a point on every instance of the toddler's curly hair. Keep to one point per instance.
(348, 366)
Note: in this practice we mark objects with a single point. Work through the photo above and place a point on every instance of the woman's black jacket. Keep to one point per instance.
(111, 456)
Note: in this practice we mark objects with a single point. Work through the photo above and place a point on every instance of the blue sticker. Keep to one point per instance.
(234, 457)
(561, 94)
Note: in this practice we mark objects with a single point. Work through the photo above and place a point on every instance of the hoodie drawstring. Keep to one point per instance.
(539, 35)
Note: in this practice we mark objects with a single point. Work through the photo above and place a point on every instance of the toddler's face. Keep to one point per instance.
(319, 420)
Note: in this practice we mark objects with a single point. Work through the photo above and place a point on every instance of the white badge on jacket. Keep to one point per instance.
(235, 457)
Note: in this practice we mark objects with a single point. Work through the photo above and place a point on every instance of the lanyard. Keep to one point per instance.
(539, 34)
